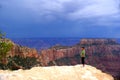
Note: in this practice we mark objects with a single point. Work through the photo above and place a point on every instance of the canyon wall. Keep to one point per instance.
(101, 53)
(20, 50)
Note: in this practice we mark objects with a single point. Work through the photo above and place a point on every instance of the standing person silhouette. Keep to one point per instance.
(82, 54)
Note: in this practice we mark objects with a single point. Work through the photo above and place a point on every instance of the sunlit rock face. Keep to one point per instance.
(77, 72)
(106, 52)
(20, 50)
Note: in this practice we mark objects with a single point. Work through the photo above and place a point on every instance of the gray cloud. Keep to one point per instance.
(50, 10)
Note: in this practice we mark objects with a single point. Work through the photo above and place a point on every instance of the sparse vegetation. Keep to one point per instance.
(25, 63)
(4, 46)
(58, 46)
(15, 62)
(18, 62)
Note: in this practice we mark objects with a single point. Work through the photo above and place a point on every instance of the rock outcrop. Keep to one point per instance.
(53, 54)
(20, 50)
(101, 53)
(56, 73)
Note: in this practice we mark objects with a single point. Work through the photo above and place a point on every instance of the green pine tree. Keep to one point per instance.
(4, 46)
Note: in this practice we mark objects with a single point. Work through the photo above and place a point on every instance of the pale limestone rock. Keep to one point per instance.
(77, 72)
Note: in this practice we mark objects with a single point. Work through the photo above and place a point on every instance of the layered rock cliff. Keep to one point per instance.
(56, 73)
(20, 50)
(101, 53)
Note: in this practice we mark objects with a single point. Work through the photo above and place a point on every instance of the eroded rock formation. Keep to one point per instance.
(101, 53)
(20, 50)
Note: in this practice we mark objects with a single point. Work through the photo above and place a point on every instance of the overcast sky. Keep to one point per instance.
(60, 18)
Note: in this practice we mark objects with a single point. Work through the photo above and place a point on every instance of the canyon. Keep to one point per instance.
(101, 53)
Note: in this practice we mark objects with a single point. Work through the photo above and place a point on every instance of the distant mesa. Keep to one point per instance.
(97, 41)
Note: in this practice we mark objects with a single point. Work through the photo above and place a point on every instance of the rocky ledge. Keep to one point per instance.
(77, 72)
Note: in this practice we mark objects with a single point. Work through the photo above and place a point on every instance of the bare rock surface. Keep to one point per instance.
(77, 72)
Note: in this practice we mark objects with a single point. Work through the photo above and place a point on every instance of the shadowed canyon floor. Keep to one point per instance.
(77, 72)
